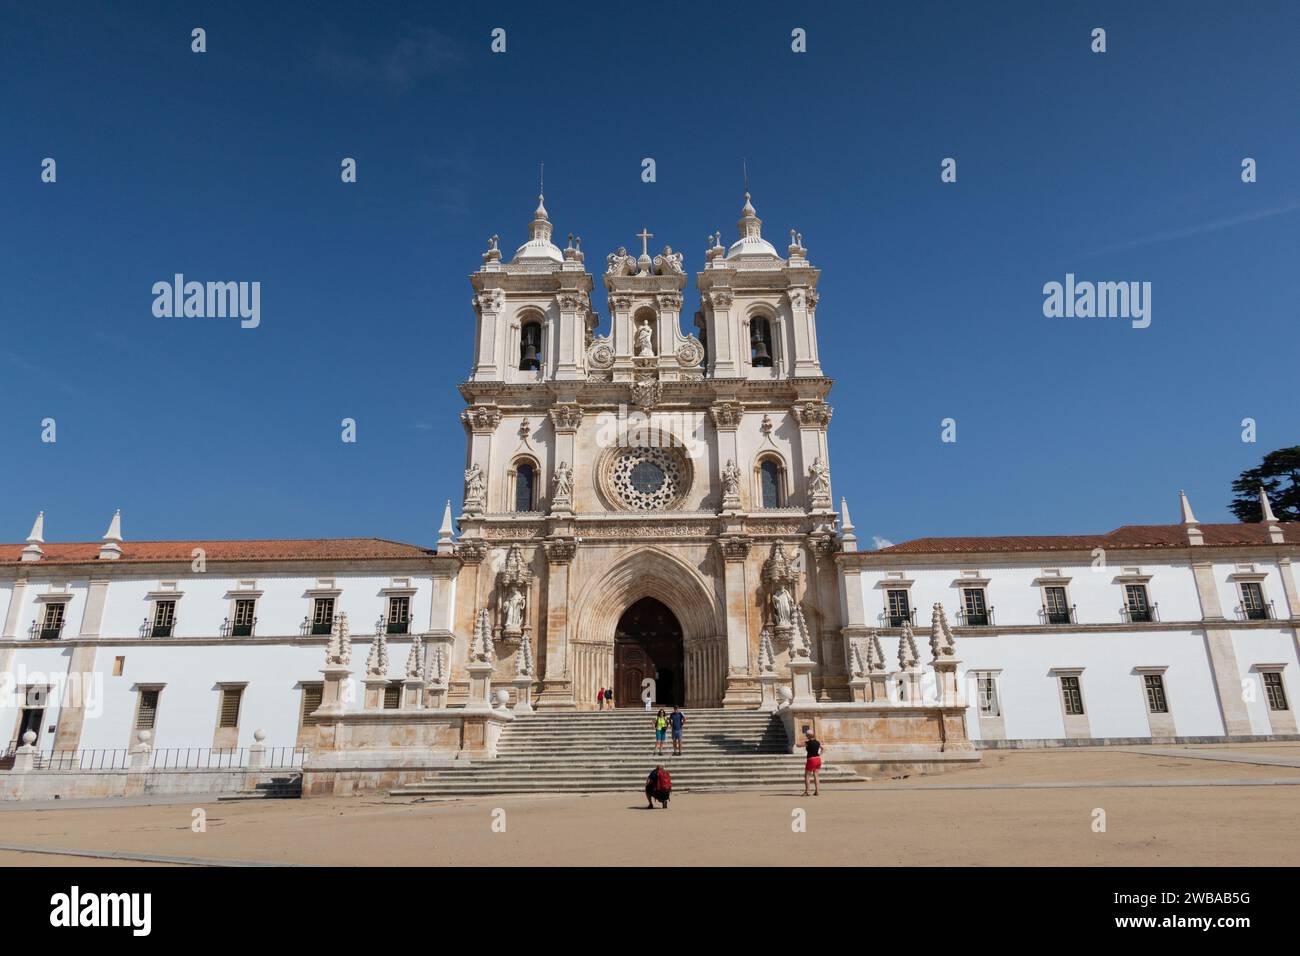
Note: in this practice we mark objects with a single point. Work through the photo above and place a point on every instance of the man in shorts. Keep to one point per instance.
(675, 721)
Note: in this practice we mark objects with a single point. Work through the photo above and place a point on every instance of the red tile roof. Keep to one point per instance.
(1131, 536)
(313, 549)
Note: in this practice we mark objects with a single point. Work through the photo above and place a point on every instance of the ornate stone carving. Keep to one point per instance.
(489, 300)
(669, 263)
(780, 577)
(941, 639)
(669, 301)
(796, 297)
(415, 659)
(801, 644)
(560, 550)
(730, 485)
(735, 547)
(727, 415)
(377, 661)
(644, 340)
(690, 353)
(648, 531)
(823, 544)
(471, 550)
(601, 353)
(907, 655)
(813, 298)
(765, 426)
(813, 413)
(620, 303)
(573, 301)
(647, 393)
(819, 484)
(338, 651)
(524, 657)
(475, 488)
(481, 418)
(480, 645)
(721, 300)
(435, 666)
(513, 584)
(566, 417)
(562, 481)
(766, 652)
(620, 263)
(648, 479)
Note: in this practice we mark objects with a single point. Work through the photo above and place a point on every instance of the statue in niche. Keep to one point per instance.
(474, 485)
(731, 480)
(783, 607)
(819, 480)
(563, 480)
(645, 340)
(515, 611)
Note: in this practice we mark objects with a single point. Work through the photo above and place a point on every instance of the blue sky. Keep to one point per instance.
(225, 166)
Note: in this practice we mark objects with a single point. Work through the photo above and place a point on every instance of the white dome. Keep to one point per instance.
(539, 249)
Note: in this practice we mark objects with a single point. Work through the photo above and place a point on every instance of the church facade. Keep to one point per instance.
(647, 509)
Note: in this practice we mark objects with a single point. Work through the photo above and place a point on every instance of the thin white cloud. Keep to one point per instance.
(1200, 229)
(880, 542)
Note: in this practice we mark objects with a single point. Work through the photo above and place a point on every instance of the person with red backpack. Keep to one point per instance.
(658, 786)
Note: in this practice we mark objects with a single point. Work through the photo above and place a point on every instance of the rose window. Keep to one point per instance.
(648, 479)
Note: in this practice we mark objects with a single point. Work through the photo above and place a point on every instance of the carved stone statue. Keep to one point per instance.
(644, 340)
(620, 263)
(474, 485)
(563, 481)
(669, 262)
(730, 480)
(819, 482)
(783, 607)
(514, 611)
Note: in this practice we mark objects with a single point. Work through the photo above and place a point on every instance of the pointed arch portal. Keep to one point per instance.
(648, 644)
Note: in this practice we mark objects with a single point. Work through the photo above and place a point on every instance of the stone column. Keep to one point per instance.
(726, 420)
(480, 422)
(735, 551)
(725, 346)
(488, 305)
(813, 417)
(1223, 657)
(13, 614)
(557, 680)
(574, 304)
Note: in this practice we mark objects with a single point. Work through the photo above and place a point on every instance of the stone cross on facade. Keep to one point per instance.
(645, 236)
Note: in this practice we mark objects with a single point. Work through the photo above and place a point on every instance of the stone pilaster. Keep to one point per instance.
(735, 551)
(557, 681)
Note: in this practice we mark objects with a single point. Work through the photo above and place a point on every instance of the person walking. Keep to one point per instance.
(609, 697)
(600, 699)
(813, 765)
(676, 720)
(661, 732)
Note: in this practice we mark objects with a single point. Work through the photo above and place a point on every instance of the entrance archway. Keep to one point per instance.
(648, 642)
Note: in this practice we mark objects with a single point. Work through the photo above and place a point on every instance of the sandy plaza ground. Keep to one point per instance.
(1164, 806)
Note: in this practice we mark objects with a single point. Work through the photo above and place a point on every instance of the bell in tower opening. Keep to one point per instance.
(530, 344)
(760, 338)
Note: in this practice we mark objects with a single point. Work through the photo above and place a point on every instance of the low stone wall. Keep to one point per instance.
(54, 784)
(383, 749)
(884, 734)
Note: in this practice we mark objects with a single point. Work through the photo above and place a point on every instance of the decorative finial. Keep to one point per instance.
(33, 550)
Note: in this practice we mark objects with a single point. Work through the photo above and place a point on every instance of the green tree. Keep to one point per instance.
(1279, 476)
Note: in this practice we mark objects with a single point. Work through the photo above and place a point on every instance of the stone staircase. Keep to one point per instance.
(591, 751)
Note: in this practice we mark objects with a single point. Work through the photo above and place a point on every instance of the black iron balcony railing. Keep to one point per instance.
(238, 630)
(1058, 615)
(1140, 615)
(43, 633)
(158, 628)
(310, 626)
(894, 619)
(975, 618)
(1259, 612)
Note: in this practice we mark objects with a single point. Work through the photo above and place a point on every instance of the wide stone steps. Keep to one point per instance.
(591, 752)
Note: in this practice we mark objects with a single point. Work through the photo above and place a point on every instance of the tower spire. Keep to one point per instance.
(33, 550)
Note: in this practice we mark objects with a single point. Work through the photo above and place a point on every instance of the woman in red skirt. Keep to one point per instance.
(813, 765)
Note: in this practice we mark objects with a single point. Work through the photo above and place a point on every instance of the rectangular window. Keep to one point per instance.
(164, 618)
(399, 615)
(1252, 601)
(1071, 695)
(242, 626)
(1274, 690)
(119, 665)
(1055, 606)
(988, 696)
(900, 609)
(52, 620)
(146, 714)
(312, 695)
(1155, 688)
(231, 697)
(1135, 602)
(976, 611)
(393, 695)
(322, 615)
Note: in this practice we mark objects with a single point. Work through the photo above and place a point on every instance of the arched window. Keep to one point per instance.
(769, 483)
(760, 342)
(530, 346)
(525, 487)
